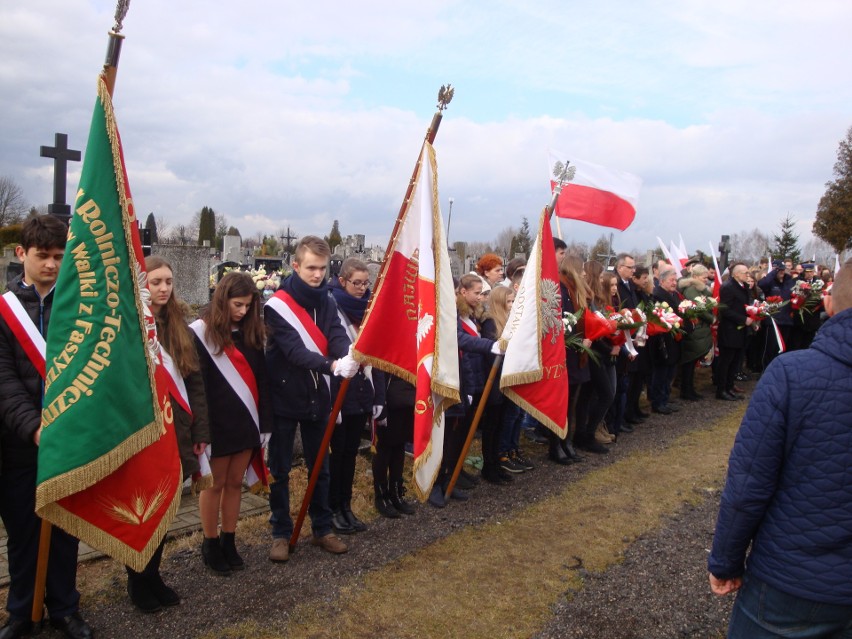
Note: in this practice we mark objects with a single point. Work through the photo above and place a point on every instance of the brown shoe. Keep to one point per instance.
(330, 543)
(280, 551)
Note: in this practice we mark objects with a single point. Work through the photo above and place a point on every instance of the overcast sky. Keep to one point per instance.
(299, 113)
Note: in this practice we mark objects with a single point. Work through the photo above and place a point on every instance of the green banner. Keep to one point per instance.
(99, 386)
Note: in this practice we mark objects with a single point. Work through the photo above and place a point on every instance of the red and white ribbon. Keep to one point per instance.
(24, 329)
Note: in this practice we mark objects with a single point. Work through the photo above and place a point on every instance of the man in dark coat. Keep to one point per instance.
(779, 282)
(42, 247)
(733, 323)
(299, 378)
(788, 493)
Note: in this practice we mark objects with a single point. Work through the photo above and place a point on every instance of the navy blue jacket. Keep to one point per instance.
(296, 373)
(788, 490)
(771, 287)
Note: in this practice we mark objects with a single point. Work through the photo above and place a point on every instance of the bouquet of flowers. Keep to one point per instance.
(267, 283)
(807, 296)
(572, 339)
(759, 311)
(599, 326)
(641, 319)
(688, 310)
(662, 319)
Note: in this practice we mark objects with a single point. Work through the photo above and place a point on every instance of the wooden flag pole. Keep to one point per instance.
(444, 97)
(492, 375)
(109, 72)
(498, 360)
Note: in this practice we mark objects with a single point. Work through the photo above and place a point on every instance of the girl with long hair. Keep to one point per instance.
(229, 341)
(147, 590)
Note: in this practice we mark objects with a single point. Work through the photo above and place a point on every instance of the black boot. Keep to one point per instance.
(213, 557)
(383, 503)
(556, 453)
(140, 592)
(397, 498)
(229, 549)
(340, 523)
(568, 447)
(357, 524)
(165, 595)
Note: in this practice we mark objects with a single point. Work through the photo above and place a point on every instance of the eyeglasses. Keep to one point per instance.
(359, 283)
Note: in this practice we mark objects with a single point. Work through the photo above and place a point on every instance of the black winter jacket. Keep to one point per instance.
(20, 382)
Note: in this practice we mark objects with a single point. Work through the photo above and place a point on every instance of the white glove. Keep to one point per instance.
(346, 367)
(264, 439)
(470, 399)
(495, 348)
(339, 419)
(377, 410)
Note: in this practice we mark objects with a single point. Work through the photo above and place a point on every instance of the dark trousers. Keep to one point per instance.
(152, 568)
(455, 434)
(512, 416)
(597, 396)
(726, 368)
(17, 508)
(341, 462)
(687, 379)
(281, 461)
(389, 460)
(662, 376)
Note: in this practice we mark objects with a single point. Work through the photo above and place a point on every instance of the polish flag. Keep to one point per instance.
(596, 194)
(410, 326)
(534, 375)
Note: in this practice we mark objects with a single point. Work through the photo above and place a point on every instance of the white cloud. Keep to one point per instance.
(280, 113)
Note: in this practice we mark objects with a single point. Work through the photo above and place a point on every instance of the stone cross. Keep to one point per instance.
(61, 155)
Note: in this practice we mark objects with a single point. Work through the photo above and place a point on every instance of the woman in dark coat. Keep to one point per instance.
(231, 334)
(364, 400)
(147, 590)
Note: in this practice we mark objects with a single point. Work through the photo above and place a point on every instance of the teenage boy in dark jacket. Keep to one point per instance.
(21, 388)
(306, 346)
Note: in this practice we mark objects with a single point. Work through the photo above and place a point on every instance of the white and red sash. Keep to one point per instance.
(352, 332)
(297, 317)
(235, 369)
(24, 330)
(177, 387)
(469, 326)
(238, 373)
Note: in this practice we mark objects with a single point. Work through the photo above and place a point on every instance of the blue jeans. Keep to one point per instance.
(510, 433)
(762, 611)
(280, 463)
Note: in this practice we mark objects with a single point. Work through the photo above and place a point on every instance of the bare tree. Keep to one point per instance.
(750, 246)
(163, 225)
(503, 242)
(12, 205)
(819, 251)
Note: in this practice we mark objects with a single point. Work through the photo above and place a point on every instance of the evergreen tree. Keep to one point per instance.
(334, 239)
(834, 214)
(207, 226)
(233, 230)
(787, 243)
(151, 225)
(522, 242)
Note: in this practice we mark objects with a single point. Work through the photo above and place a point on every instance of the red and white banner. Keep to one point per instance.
(596, 194)
(24, 330)
(534, 375)
(409, 329)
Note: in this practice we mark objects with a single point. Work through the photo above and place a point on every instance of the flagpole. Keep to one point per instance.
(109, 72)
(498, 361)
(445, 95)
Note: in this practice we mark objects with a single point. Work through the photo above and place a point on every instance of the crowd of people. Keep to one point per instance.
(253, 373)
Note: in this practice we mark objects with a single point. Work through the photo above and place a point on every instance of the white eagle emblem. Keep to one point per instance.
(551, 317)
(424, 325)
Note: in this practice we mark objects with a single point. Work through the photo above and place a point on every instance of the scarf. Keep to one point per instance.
(306, 296)
(353, 307)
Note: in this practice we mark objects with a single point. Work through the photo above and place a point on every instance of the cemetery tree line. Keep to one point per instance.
(834, 214)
